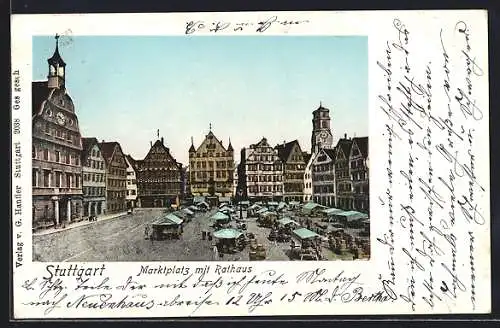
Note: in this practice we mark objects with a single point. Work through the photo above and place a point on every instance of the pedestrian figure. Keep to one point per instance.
(146, 232)
(215, 253)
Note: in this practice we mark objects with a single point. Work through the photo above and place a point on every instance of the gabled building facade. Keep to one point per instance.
(262, 172)
(131, 197)
(116, 176)
(94, 178)
(56, 149)
(294, 165)
(159, 177)
(308, 187)
(343, 182)
(211, 168)
(358, 170)
(323, 177)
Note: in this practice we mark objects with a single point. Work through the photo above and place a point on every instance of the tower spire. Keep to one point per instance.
(158, 133)
(57, 66)
(210, 127)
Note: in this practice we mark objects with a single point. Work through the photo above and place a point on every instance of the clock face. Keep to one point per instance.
(323, 135)
(61, 119)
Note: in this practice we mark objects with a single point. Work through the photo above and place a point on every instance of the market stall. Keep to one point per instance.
(219, 219)
(167, 227)
(308, 241)
(267, 219)
(229, 240)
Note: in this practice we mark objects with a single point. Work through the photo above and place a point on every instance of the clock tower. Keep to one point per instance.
(321, 134)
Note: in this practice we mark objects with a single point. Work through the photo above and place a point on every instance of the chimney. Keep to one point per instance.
(162, 140)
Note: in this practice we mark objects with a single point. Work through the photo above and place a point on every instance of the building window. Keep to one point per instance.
(46, 154)
(34, 178)
(33, 152)
(58, 156)
(68, 180)
(58, 179)
(46, 178)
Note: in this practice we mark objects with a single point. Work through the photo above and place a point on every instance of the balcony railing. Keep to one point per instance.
(54, 191)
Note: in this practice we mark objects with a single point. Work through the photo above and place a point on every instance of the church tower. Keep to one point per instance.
(321, 134)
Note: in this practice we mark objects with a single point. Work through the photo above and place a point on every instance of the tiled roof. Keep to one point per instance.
(87, 144)
(284, 150)
(132, 161)
(345, 145)
(362, 143)
(107, 149)
(330, 153)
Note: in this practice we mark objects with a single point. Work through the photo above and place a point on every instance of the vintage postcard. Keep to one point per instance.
(259, 163)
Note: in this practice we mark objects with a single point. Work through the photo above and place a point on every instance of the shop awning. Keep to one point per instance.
(219, 216)
(228, 233)
(226, 209)
(294, 202)
(303, 233)
(269, 213)
(331, 211)
(205, 204)
(254, 207)
(352, 215)
(262, 210)
(188, 211)
(169, 219)
(272, 204)
(286, 221)
(309, 207)
(198, 199)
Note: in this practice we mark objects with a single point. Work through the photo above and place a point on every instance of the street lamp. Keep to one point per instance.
(240, 194)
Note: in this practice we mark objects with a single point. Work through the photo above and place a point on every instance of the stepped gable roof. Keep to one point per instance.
(39, 93)
(362, 143)
(285, 149)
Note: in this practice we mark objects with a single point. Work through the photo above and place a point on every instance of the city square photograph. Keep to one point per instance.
(200, 148)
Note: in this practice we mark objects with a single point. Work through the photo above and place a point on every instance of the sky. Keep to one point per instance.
(125, 88)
